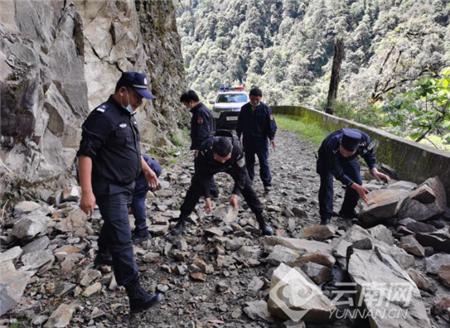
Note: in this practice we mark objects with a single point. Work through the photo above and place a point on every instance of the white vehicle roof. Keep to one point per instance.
(231, 92)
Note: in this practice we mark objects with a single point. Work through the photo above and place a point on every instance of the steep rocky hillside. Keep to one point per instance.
(59, 59)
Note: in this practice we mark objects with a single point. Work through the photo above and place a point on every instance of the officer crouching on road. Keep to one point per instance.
(257, 126)
(220, 154)
(109, 163)
(338, 157)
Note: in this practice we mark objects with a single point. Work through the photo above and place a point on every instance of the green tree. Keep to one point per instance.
(424, 110)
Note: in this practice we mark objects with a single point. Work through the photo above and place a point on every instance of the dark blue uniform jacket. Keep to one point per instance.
(206, 166)
(330, 159)
(202, 125)
(257, 124)
(110, 137)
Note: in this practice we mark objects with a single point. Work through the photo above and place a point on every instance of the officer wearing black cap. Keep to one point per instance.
(220, 154)
(338, 157)
(109, 162)
(202, 125)
(257, 126)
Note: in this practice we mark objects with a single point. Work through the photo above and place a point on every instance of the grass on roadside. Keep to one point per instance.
(309, 130)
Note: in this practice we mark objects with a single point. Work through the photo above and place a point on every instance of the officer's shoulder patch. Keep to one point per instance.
(199, 120)
(101, 108)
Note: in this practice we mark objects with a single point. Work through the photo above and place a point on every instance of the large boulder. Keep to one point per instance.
(11, 254)
(419, 205)
(434, 263)
(382, 207)
(439, 240)
(12, 286)
(25, 207)
(412, 246)
(29, 226)
(293, 296)
(300, 245)
(386, 288)
(318, 232)
(61, 316)
(356, 237)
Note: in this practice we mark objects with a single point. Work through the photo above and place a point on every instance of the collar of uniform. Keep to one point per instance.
(119, 106)
(255, 107)
(196, 107)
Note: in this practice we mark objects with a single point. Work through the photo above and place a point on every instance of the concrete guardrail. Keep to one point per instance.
(412, 161)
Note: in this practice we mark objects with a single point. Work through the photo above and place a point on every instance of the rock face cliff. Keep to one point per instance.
(59, 59)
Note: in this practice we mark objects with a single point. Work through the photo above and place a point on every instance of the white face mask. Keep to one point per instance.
(128, 107)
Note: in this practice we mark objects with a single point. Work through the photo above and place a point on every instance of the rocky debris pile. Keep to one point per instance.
(222, 272)
(403, 200)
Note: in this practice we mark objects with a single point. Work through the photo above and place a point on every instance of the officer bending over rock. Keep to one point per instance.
(338, 158)
(220, 154)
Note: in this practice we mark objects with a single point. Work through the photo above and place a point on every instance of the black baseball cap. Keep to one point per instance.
(138, 81)
(222, 146)
(351, 139)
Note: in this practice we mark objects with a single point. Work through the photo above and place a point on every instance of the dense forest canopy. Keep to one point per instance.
(286, 48)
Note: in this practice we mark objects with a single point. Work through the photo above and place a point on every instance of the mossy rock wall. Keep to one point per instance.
(412, 161)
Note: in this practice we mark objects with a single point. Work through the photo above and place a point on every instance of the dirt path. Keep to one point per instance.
(234, 258)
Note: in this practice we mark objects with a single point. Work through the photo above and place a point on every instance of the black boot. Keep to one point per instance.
(180, 227)
(102, 259)
(265, 228)
(348, 214)
(140, 300)
(140, 236)
(324, 220)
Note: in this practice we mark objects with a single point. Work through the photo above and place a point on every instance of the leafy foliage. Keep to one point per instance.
(394, 51)
(424, 110)
(286, 46)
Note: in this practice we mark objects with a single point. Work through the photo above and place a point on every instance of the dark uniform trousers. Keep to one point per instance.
(115, 235)
(140, 194)
(260, 148)
(350, 168)
(195, 192)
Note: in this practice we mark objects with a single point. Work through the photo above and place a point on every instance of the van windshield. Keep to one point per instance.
(232, 98)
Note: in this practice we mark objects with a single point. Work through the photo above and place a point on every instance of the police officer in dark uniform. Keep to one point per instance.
(221, 154)
(257, 126)
(138, 207)
(109, 163)
(338, 158)
(202, 125)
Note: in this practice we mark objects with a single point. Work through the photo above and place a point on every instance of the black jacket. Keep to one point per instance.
(110, 137)
(202, 125)
(330, 159)
(206, 166)
(258, 123)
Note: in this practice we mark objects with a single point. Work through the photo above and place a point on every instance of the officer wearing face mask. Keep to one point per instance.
(338, 158)
(257, 126)
(109, 162)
